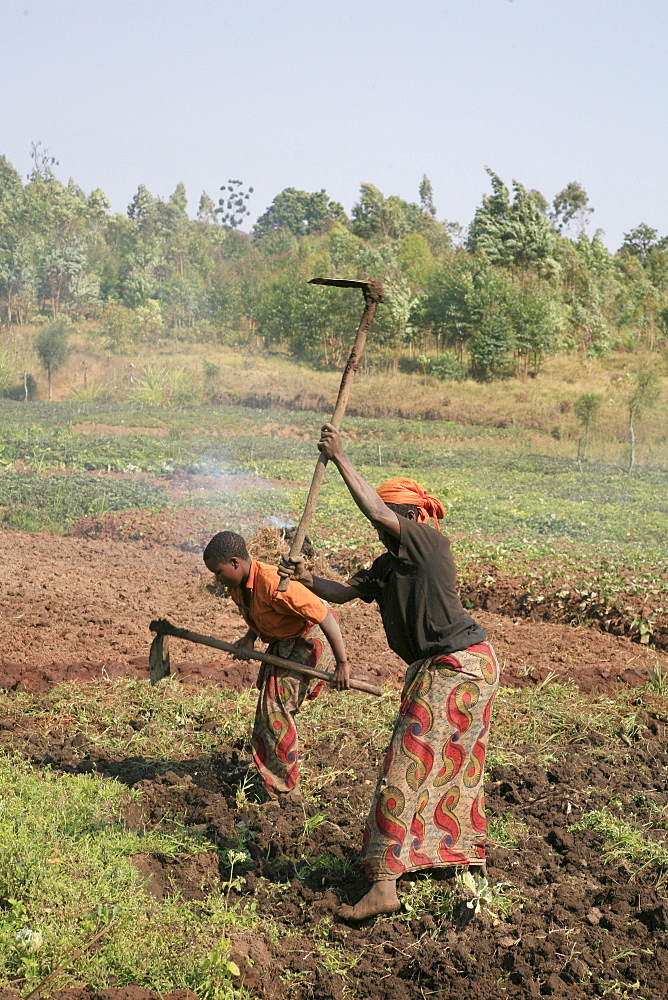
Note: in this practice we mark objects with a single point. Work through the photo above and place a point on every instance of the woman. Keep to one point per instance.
(428, 808)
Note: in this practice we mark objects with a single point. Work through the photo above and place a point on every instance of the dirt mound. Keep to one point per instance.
(27, 677)
(628, 614)
(530, 653)
(192, 876)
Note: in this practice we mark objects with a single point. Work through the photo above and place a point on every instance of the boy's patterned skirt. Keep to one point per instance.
(274, 740)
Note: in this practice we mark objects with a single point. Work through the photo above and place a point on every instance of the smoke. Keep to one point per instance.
(277, 522)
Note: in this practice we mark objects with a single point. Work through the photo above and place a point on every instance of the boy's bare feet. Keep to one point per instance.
(381, 898)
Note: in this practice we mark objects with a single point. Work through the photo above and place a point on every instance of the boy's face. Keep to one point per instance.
(231, 573)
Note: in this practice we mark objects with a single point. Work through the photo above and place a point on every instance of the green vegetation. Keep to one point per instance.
(31, 502)
(581, 541)
(65, 873)
(627, 842)
(527, 283)
(66, 878)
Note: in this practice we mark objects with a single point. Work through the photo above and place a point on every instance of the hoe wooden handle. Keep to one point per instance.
(163, 627)
(373, 294)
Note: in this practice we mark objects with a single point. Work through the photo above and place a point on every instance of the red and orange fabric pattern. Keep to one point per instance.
(429, 806)
(274, 742)
(402, 491)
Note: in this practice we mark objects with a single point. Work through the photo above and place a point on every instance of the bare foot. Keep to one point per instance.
(381, 898)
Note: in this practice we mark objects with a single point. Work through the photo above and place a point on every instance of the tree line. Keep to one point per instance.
(524, 281)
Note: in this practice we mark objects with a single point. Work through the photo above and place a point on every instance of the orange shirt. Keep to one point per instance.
(273, 615)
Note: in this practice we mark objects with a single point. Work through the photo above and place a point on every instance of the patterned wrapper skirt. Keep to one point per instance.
(274, 742)
(429, 808)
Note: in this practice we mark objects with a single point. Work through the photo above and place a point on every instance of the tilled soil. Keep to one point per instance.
(583, 922)
(78, 609)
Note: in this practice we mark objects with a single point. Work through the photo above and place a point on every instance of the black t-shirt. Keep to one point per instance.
(414, 583)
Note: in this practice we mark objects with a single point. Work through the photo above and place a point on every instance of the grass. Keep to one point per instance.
(66, 876)
(628, 842)
(30, 502)
(552, 721)
(539, 412)
(131, 718)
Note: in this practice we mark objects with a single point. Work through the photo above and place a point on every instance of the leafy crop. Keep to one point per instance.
(32, 502)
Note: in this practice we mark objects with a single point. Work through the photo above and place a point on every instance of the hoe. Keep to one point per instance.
(373, 294)
(159, 665)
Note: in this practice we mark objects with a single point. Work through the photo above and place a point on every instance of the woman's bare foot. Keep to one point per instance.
(381, 898)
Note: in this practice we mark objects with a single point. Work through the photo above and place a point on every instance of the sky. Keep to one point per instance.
(331, 94)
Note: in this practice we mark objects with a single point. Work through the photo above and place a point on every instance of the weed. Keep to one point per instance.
(658, 681)
(66, 874)
(627, 843)
(507, 831)
(495, 900)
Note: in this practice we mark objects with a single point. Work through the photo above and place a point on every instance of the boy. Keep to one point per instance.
(295, 624)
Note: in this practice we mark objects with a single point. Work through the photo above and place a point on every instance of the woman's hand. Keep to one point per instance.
(330, 442)
(295, 569)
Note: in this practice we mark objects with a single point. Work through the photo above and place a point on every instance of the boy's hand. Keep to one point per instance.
(295, 569)
(247, 642)
(330, 442)
(341, 679)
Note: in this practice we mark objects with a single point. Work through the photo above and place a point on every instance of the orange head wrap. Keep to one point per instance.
(401, 491)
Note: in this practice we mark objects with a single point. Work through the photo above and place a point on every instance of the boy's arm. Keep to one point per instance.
(330, 626)
(364, 495)
(246, 641)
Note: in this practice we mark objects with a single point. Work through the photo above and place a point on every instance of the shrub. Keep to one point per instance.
(165, 387)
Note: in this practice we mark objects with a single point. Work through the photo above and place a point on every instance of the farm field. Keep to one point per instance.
(136, 854)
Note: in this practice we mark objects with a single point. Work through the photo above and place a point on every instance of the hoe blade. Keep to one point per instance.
(158, 659)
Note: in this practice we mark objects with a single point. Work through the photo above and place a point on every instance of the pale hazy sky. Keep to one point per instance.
(334, 93)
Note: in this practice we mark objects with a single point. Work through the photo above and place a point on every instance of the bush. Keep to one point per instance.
(119, 327)
(8, 371)
(17, 391)
(444, 366)
(94, 392)
(165, 387)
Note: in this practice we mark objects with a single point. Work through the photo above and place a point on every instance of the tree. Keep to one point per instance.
(571, 205)
(639, 241)
(300, 212)
(206, 210)
(446, 309)
(513, 234)
(233, 207)
(16, 241)
(644, 396)
(537, 322)
(586, 410)
(377, 217)
(427, 197)
(52, 348)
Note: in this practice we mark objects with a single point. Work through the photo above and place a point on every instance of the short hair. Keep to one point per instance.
(224, 546)
(402, 509)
